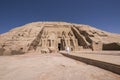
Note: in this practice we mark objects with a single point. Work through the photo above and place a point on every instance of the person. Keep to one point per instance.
(68, 50)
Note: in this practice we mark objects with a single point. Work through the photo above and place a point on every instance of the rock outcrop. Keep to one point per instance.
(54, 36)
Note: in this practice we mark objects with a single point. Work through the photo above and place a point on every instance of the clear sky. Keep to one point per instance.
(102, 14)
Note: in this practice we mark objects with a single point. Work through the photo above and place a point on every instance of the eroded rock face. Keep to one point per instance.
(55, 36)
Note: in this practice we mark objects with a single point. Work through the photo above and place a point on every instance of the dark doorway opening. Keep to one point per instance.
(59, 46)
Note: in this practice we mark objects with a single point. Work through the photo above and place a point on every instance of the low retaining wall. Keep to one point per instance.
(108, 66)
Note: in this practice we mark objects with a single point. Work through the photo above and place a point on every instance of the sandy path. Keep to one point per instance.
(50, 67)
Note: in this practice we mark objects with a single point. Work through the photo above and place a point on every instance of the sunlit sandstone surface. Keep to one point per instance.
(34, 66)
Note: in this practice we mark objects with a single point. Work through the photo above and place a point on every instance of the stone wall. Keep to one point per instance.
(97, 46)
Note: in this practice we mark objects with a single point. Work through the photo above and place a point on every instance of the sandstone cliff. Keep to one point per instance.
(29, 38)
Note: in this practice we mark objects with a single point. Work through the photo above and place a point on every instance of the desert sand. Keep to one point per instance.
(50, 67)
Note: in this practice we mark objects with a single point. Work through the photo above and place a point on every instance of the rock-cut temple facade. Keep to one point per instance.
(56, 36)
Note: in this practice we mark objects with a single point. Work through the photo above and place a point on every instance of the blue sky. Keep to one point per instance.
(102, 14)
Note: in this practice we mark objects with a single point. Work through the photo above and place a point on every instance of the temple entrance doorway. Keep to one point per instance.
(59, 46)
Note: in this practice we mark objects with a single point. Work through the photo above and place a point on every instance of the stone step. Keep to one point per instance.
(108, 62)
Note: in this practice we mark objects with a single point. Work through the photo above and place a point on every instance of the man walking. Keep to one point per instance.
(68, 50)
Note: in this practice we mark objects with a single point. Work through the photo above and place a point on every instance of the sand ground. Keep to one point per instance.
(50, 67)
